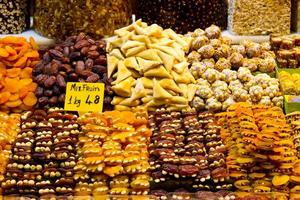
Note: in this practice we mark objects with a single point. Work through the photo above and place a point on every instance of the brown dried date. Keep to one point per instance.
(77, 59)
(188, 170)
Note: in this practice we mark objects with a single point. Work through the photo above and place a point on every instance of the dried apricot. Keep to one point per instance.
(21, 62)
(4, 97)
(33, 43)
(30, 99)
(3, 53)
(32, 54)
(13, 104)
(14, 72)
(26, 72)
(14, 97)
(10, 50)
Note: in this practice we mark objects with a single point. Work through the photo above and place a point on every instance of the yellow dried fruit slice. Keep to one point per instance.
(257, 175)
(259, 189)
(280, 180)
(295, 179)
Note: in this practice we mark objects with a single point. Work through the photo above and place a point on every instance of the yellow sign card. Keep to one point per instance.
(84, 97)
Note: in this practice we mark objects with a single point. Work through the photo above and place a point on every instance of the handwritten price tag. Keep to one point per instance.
(84, 97)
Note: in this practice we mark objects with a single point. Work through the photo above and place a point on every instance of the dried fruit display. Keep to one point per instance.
(78, 59)
(289, 82)
(9, 127)
(182, 194)
(183, 15)
(14, 16)
(287, 49)
(113, 155)
(211, 46)
(262, 156)
(186, 151)
(149, 68)
(259, 17)
(294, 120)
(94, 17)
(43, 156)
(17, 58)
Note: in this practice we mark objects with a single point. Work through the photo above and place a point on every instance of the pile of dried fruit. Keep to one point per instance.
(287, 49)
(149, 68)
(210, 48)
(186, 151)
(9, 127)
(216, 90)
(262, 156)
(289, 83)
(182, 194)
(294, 120)
(77, 59)
(113, 155)
(17, 58)
(44, 155)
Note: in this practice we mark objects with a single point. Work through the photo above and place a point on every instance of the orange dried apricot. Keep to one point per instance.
(21, 62)
(13, 104)
(10, 50)
(14, 72)
(4, 97)
(14, 97)
(26, 72)
(11, 85)
(33, 43)
(17, 59)
(32, 54)
(3, 53)
(30, 99)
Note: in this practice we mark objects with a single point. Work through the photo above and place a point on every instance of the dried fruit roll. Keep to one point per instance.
(113, 155)
(17, 58)
(78, 59)
(186, 151)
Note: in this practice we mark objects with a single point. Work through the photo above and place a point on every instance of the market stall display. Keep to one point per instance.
(259, 17)
(262, 156)
(17, 59)
(78, 59)
(149, 68)
(60, 19)
(14, 16)
(43, 155)
(186, 151)
(113, 155)
(183, 15)
(287, 50)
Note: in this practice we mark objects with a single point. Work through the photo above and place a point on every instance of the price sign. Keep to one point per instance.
(84, 97)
